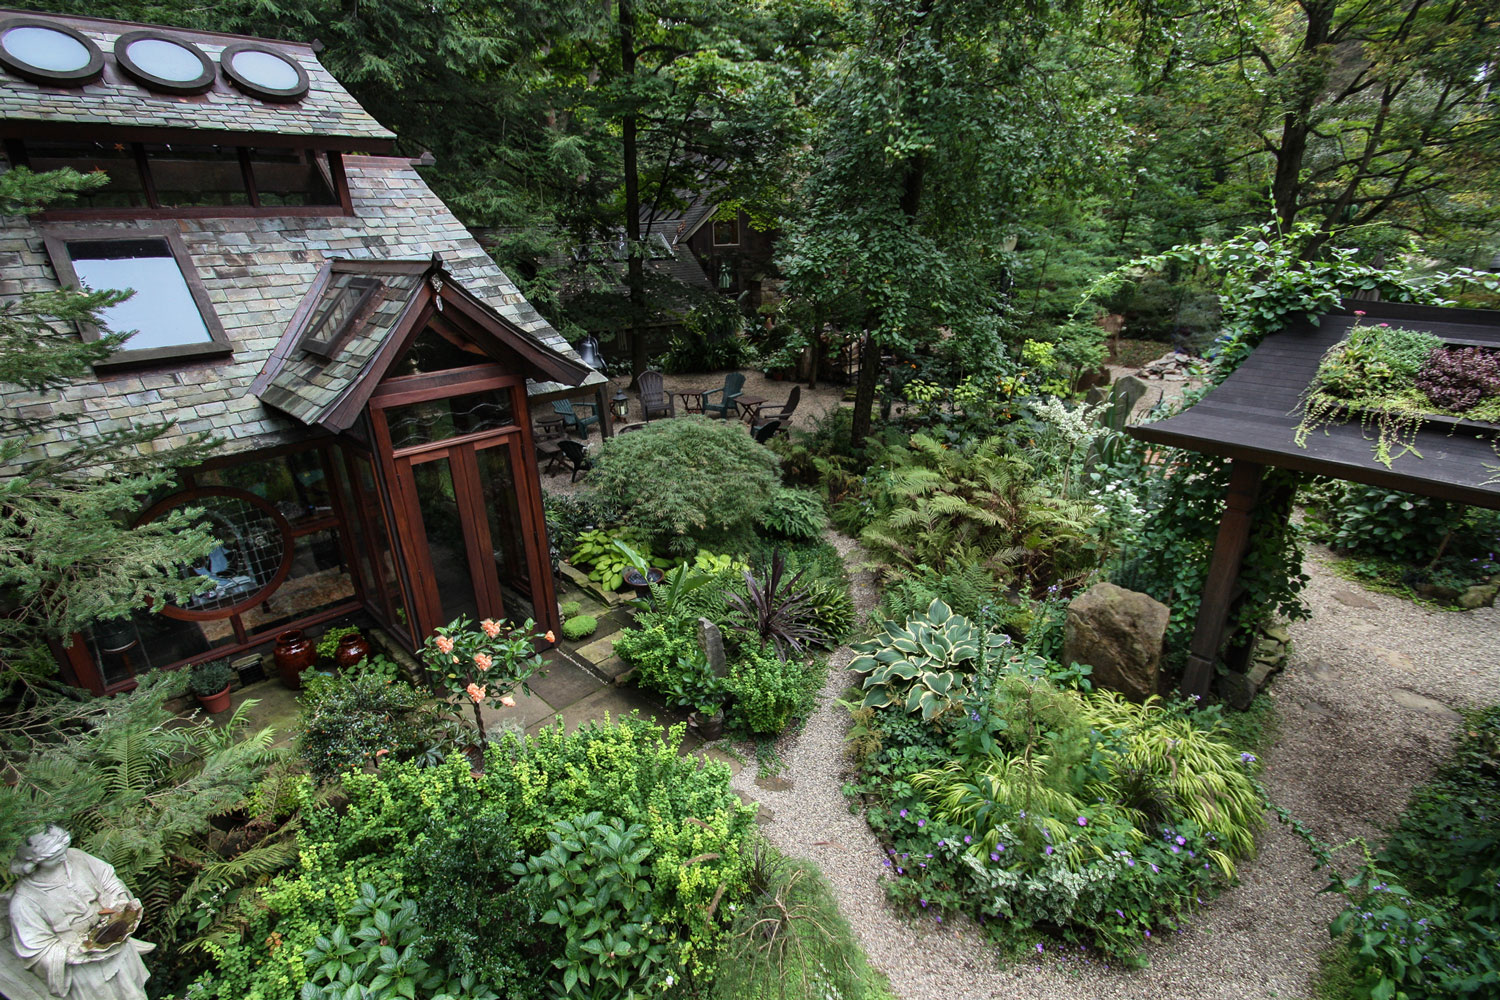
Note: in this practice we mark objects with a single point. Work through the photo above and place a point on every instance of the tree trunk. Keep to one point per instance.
(635, 267)
(864, 391)
(817, 348)
(1311, 71)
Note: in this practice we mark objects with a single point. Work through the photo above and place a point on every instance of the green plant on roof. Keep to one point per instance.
(924, 664)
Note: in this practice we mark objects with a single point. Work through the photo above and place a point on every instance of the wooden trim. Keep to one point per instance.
(191, 212)
(47, 77)
(534, 525)
(247, 175)
(403, 331)
(138, 73)
(93, 132)
(294, 328)
(56, 238)
(187, 497)
(406, 389)
(340, 178)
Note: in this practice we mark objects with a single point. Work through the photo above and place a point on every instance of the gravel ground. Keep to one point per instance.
(1365, 711)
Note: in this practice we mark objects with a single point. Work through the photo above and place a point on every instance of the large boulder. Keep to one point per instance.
(1119, 633)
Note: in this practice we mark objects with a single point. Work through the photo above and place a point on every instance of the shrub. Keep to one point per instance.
(328, 642)
(1376, 521)
(579, 627)
(571, 514)
(794, 514)
(1458, 379)
(768, 691)
(655, 646)
(348, 721)
(688, 483)
(569, 608)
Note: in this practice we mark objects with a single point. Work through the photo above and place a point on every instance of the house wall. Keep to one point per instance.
(750, 262)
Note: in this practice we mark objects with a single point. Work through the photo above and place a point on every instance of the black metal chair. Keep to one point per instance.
(576, 455)
(764, 432)
(655, 400)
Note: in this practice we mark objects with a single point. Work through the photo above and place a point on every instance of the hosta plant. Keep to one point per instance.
(924, 664)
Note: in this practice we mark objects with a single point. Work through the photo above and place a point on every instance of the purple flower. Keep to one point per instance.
(900, 871)
(903, 814)
(923, 902)
(887, 862)
(1148, 933)
(968, 839)
(1130, 862)
(1176, 849)
(1049, 849)
(921, 822)
(1040, 948)
(1182, 840)
(994, 856)
(938, 919)
(1155, 870)
(1120, 914)
(999, 847)
(942, 843)
(1248, 758)
(1082, 821)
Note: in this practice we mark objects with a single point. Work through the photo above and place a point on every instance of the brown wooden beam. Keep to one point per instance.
(606, 418)
(1223, 572)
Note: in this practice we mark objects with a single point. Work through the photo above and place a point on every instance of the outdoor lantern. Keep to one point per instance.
(588, 351)
(619, 406)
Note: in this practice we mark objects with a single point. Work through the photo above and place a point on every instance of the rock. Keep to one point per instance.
(1480, 596)
(1280, 633)
(1236, 690)
(1399, 661)
(1119, 633)
(712, 641)
(1353, 599)
(1425, 705)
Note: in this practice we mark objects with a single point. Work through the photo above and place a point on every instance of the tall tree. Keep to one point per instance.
(928, 131)
(69, 555)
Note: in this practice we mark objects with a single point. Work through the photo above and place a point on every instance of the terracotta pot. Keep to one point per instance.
(215, 703)
(294, 654)
(352, 648)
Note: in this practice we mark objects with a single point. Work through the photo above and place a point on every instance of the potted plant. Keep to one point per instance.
(210, 682)
(640, 574)
(707, 719)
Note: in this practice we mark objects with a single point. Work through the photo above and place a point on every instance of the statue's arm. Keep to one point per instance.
(112, 892)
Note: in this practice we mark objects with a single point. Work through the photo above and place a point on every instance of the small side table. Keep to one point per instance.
(550, 425)
(692, 401)
(750, 407)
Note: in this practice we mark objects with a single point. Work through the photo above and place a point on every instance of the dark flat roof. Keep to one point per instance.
(1254, 414)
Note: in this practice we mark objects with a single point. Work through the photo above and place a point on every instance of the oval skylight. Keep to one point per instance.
(161, 62)
(48, 53)
(264, 72)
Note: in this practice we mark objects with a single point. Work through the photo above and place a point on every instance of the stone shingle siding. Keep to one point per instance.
(256, 271)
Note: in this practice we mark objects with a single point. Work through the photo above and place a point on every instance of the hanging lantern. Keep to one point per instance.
(620, 406)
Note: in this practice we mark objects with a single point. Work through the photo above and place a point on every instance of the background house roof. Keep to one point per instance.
(1254, 414)
(115, 101)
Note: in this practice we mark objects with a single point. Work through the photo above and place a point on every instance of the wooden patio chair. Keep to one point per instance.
(733, 389)
(655, 400)
(766, 431)
(571, 419)
(575, 454)
(784, 411)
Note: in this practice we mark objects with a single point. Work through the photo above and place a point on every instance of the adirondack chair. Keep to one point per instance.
(733, 389)
(575, 454)
(571, 419)
(784, 411)
(766, 431)
(655, 401)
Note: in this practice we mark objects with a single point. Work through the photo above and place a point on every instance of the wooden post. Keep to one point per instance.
(601, 407)
(1223, 572)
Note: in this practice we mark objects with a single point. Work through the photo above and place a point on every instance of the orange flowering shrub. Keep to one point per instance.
(484, 665)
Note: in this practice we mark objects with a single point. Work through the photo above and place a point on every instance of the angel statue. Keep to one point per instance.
(69, 929)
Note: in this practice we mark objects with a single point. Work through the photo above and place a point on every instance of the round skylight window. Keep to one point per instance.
(263, 72)
(161, 62)
(44, 52)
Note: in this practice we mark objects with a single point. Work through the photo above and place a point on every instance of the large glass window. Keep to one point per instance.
(115, 160)
(292, 177)
(452, 416)
(169, 313)
(162, 310)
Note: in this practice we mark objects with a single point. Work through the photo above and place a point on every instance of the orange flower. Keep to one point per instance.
(482, 661)
(475, 692)
(444, 644)
(550, 637)
(491, 627)
(508, 701)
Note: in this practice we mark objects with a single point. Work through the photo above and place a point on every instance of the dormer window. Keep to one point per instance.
(339, 315)
(170, 311)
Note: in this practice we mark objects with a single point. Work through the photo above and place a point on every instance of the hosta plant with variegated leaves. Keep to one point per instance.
(924, 664)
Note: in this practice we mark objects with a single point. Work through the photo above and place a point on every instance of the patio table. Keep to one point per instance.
(692, 400)
(750, 407)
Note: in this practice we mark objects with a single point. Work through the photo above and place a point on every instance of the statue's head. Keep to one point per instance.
(41, 849)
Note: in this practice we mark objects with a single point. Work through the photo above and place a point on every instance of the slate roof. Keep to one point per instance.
(256, 272)
(1254, 414)
(116, 101)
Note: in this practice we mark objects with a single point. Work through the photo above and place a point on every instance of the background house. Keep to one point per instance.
(307, 299)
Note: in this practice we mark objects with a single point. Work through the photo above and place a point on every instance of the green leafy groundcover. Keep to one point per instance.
(1393, 379)
(597, 864)
(1041, 810)
(1423, 919)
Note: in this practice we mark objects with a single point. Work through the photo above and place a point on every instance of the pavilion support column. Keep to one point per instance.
(601, 407)
(1223, 572)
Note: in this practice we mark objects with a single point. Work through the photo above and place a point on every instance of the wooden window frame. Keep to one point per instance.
(56, 239)
(713, 234)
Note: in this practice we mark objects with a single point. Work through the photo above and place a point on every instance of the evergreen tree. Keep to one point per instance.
(69, 555)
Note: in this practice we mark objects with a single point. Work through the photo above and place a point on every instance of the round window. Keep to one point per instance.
(161, 62)
(251, 559)
(44, 52)
(263, 72)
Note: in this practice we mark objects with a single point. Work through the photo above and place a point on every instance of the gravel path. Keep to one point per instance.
(1365, 713)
